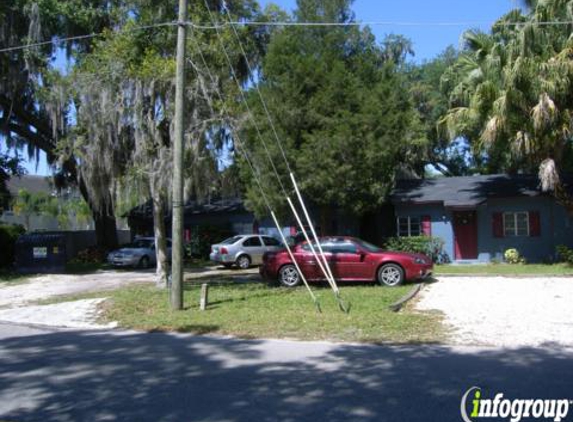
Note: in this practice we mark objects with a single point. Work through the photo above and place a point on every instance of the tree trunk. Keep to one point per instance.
(160, 243)
(104, 221)
(105, 229)
(325, 221)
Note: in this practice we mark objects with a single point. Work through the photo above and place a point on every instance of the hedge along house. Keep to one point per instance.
(479, 217)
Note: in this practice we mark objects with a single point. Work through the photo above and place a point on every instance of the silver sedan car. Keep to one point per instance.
(243, 250)
(140, 253)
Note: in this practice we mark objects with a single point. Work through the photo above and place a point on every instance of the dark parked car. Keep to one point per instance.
(350, 259)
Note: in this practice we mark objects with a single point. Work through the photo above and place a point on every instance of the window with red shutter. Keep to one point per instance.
(534, 224)
(426, 225)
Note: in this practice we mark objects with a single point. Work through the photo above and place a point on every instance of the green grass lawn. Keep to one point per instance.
(506, 269)
(256, 310)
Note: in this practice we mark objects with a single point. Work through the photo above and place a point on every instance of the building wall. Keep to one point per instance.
(556, 227)
(441, 222)
(238, 223)
(37, 222)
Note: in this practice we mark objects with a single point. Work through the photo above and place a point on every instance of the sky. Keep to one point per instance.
(417, 15)
(432, 25)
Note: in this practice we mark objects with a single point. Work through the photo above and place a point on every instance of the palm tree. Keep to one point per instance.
(510, 94)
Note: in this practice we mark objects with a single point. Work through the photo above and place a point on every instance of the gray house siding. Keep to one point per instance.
(534, 248)
(441, 222)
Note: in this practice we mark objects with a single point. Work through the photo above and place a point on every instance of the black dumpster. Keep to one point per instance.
(41, 253)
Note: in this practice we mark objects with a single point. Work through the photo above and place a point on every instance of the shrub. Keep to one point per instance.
(427, 245)
(202, 237)
(8, 235)
(565, 254)
(512, 256)
(92, 255)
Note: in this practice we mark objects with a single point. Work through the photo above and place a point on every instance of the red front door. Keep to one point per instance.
(465, 235)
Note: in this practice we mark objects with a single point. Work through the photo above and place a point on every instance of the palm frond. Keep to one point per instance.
(548, 175)
(492, 132)
(544, 113)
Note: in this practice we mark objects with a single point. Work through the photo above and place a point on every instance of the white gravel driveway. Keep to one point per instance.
(17, 301)
(504, 311)
(49, 285)
(16, 307)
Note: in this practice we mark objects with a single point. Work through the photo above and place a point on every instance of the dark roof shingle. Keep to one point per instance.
(466, 190)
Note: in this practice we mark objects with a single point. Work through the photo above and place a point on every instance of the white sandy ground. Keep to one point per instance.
(49, 285)
(504, 311)
(77, 314)
(493, 311)
(16, 301)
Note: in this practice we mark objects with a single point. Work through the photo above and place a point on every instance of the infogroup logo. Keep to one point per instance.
(474, 406)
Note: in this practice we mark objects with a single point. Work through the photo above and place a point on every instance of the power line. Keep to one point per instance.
(379, 23)
(292, 24)
(244, 99)
(82, 37)
(254, 170)
(324, 264)
(256, 85)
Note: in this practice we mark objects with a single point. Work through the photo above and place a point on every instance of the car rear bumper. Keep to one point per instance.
(124, 262)
(221, 259)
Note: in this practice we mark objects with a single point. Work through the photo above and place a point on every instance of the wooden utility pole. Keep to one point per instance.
(177, 222)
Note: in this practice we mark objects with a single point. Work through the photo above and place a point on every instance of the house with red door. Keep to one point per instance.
(479, 217)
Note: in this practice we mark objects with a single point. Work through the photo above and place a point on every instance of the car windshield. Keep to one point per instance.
(231, 240)
(368, 246)
(139, 243)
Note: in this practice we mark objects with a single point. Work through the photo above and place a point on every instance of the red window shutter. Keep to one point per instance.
(534, 224)
(497, 224)
(426, 225)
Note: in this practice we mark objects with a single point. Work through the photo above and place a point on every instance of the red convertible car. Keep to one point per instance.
(350, 259)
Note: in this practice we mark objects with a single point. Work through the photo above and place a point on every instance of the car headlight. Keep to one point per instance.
(420, 261)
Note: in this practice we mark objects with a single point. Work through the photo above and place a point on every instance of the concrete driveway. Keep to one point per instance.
(51, 375)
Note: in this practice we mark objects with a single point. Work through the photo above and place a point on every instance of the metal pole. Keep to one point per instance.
(177, 222)
(312, 230)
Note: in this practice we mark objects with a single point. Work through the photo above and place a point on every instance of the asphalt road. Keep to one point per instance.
(55, 375)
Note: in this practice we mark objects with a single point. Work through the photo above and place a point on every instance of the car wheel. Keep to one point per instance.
(390, 275)
(243, 262)
(144, 262)
(289, 276)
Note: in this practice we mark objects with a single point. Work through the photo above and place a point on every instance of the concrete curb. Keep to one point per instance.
(396, 306)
